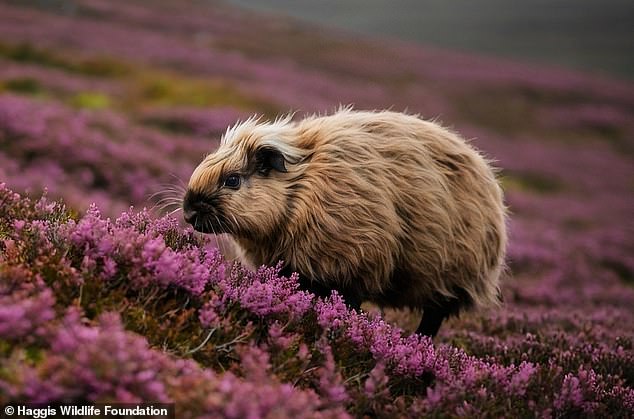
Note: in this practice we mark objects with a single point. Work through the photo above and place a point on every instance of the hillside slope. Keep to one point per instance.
(110, 101)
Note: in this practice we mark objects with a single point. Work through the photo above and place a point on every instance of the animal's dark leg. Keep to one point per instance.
(433, 317)
(352, 300)
(316, 288)
(441, 307)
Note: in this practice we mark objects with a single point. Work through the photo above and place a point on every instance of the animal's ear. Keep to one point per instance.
(267, 159)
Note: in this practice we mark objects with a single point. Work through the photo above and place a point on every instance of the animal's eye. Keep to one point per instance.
(232, 181)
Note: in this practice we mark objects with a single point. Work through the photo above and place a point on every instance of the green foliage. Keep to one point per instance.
(91, 100)
(25, 85)
(165, 89)
(137, 85)
(94, 66)
(531, 182)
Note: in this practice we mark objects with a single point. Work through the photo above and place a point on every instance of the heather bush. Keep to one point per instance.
(64, 278)
(111, 104)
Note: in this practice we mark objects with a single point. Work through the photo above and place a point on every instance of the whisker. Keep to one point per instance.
(220, 244)
(226, 224)
(167, 204)
(171, 213)
(181, 181)
(169, 201)
(167, 188)
(196, 223)
(165, 193)
(169, 197)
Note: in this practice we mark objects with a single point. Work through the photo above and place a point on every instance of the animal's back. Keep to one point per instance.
(380, 206)
(420, 215)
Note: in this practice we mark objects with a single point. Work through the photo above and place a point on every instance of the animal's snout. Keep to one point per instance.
(191, 212)
(190, 215)
(201, 211)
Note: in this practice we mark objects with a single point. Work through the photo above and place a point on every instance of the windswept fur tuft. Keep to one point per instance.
(381, 206)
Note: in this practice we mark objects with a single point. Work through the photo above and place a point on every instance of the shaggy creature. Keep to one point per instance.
(380, 206)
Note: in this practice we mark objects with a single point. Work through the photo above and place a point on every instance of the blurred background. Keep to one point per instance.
(115, 102)
(589, 35)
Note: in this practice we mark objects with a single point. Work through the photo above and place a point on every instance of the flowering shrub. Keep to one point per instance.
(255, 325)
(99, 302)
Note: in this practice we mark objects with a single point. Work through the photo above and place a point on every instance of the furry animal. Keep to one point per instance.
(380, 206)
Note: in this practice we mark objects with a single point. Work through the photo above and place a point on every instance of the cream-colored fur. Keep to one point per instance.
(400, 209)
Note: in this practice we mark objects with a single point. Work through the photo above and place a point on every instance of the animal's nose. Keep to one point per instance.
(190, 215)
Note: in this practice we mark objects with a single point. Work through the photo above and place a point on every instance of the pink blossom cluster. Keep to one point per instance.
(43, 141)
(98, 360)
(239, 305)
(221, 340)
